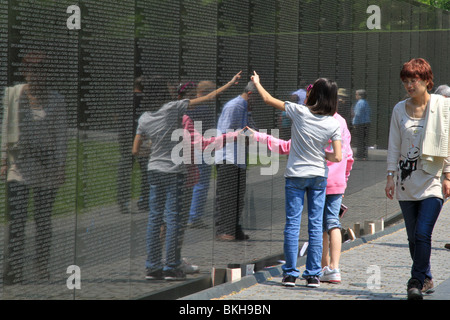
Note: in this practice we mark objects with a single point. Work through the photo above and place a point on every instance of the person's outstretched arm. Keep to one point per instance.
(267, 98)
(273, 144)
(213, 94)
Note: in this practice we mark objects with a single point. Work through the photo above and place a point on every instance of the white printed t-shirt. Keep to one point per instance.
(404, 151)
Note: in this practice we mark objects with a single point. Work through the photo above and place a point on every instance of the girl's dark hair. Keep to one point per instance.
(322, 98)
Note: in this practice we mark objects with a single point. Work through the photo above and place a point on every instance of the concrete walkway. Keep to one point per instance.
(375, 267)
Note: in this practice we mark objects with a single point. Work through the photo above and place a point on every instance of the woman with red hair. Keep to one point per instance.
(418, 156)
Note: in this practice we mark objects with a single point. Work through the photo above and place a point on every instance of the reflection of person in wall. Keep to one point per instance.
(125, 124)
(198, 144)
(142, 157)
(34, 147)
(231, 169)
(285, 123)
(361, 124)
(205, 114)
(344, 105)
(298, 96)
(418, 155)
(166, 179)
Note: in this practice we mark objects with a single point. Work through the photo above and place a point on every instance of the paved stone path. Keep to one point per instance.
(388, 255)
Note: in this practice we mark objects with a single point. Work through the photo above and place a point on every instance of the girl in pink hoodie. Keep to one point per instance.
(338, 173)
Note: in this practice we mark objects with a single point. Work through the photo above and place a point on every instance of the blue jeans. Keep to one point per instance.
(420, 218)
(200, 193)
(295, 190)
(165, 202)
(331, 212)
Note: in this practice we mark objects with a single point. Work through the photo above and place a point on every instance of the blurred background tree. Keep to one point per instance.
(442, 4)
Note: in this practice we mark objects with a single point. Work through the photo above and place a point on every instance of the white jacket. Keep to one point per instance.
(435, 142)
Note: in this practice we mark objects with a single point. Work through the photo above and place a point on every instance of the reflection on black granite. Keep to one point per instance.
(96, 215)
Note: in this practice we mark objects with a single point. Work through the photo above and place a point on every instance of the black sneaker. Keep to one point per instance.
(288, 281)
(312, 282)
(414, 289)
(154, 274)
(176, 274)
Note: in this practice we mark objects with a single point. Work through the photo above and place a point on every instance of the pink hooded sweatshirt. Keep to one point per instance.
(338, 172)
(196, 139)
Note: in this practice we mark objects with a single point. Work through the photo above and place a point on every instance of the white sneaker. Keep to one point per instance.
(189, 268)
(329, 275)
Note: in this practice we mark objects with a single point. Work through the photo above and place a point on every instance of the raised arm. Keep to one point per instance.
(212, 95)
(267, 98)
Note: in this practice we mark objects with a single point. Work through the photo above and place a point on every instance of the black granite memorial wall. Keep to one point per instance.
(80, 81)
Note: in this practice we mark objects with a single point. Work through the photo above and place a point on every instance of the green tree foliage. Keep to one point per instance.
(442, 4)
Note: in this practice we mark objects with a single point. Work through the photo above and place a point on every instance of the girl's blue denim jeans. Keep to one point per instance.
(331, 212)
(295, 191)
(420, 218)
(165, 202)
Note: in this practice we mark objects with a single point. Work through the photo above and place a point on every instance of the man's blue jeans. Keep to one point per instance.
(420, 218)
(295, 190)
(165, 201)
